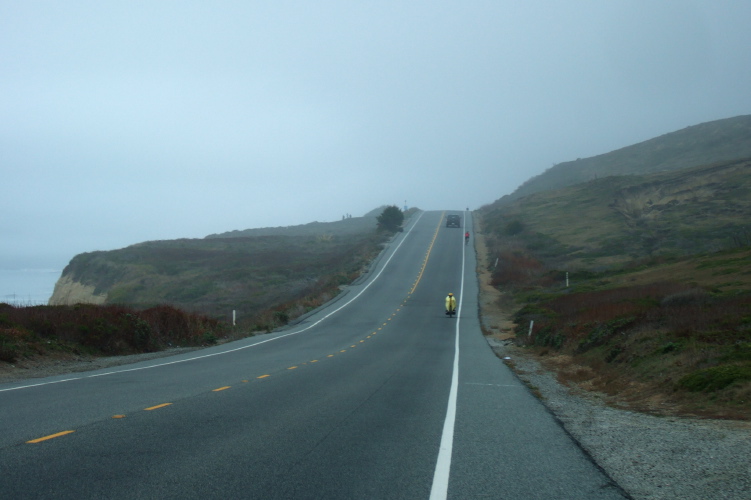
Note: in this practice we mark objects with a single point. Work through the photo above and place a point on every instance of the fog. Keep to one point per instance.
(131, 121)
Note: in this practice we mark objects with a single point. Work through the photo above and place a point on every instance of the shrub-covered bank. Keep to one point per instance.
(99, 330)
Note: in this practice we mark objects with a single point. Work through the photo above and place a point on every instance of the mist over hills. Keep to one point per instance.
(681, 193)
(629, 273)
(261, 267)
(710, 142)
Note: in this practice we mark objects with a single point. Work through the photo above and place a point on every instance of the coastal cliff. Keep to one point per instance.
(69, 291)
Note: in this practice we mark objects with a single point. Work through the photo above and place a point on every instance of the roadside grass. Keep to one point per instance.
(673, 341)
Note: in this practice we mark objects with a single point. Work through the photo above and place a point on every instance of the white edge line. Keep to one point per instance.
(440, 488)
(237, 348)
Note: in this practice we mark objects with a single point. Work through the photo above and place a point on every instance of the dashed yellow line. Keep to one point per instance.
(430, 249)
(157, 407)
(224, 388)
(51, 436)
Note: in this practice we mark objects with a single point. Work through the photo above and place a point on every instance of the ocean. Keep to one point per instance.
(27, 287)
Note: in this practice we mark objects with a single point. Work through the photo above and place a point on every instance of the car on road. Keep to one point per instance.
(453, 221)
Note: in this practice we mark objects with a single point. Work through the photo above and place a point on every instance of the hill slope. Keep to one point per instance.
(247, 271)
(638, 286)
(710, 142)
(615, 220)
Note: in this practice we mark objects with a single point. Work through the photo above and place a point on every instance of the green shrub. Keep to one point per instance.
(715, 378)
(282, 317)
(514, 227)
(8, 349)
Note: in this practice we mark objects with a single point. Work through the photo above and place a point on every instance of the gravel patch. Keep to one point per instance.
(650, 457)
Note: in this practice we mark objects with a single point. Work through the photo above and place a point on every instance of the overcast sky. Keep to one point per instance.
(131, 121)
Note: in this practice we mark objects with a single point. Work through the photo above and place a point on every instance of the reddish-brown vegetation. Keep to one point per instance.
(108, 330)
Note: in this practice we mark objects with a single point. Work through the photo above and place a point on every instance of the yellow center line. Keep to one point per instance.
(263, 376)
(363, 341)
(51, 436)
(157, 407)
(430, 248)
(118, 416)
(314, 361)
(343, 350)
(330, 356)
(291, 368)
(222, 388)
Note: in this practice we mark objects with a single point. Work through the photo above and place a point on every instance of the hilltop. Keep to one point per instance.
(345, 227)
(710, 142)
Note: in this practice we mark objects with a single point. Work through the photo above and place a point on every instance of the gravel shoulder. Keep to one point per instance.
(650, 457)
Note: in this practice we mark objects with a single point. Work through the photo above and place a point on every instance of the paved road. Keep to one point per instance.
(378, 395)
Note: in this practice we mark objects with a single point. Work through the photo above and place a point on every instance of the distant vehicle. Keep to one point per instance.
(453, 221)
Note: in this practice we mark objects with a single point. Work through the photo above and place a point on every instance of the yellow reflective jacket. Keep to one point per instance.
(450, 303)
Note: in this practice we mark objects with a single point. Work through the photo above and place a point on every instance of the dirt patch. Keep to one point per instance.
(495, 317)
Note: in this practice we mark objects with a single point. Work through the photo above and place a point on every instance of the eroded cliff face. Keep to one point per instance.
(69, 292)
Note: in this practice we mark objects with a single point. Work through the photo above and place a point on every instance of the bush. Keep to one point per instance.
(716, 378)
(391, 219)
(514, 228)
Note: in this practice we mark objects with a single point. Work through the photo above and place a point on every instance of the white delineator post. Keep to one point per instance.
(531, 324)
(233, 317)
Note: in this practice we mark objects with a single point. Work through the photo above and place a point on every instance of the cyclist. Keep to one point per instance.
(450, 304)
(466, 237)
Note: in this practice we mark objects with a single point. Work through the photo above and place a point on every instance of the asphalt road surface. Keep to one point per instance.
(377, 395)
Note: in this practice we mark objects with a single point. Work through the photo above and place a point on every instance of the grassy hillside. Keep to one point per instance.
(710, 142)
(162, 294)
(267, 276)
(658, 308)
(615, 220)
(218, 275)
